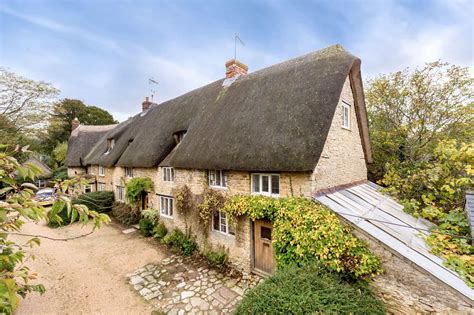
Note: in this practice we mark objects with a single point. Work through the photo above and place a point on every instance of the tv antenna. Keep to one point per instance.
(150, 82)
(237, 38)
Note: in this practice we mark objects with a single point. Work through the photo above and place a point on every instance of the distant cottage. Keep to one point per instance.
(296, 128)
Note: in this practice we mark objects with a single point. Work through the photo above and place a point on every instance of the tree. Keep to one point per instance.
(59, 128)
(24, 103)
(17, 207)
(59, 153)
(411, 112)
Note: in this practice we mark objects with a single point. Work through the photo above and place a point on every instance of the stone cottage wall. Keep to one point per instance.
(407, 289)
(342, 160)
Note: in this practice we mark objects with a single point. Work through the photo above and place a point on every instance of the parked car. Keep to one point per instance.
(45, 196)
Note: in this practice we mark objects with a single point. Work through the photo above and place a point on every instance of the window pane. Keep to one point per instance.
(223, 222)
(212, 178)
(265, 180)
(171, 174)
(215, 221)
(275, 184)
(170, 204)
(265, 232)
(218, 178)
(256, 182)
(224, 179)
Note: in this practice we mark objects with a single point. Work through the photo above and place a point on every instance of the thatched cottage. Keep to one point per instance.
(296, 128)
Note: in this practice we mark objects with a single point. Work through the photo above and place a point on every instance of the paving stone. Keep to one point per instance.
(199, 303)
(136, 279)
(128, 231)
(144, 291)
(186, 294)
(152, 295)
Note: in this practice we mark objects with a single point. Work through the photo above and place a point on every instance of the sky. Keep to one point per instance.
(104, 52)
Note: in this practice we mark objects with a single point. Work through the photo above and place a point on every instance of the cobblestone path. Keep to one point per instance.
(179, 285)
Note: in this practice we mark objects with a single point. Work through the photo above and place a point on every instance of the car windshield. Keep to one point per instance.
(44, 194)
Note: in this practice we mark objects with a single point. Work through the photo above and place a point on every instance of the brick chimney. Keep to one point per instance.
(75, 123)
(146, 104)
(234, 68)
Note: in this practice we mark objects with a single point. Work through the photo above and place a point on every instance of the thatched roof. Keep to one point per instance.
(46, 172)
(81, 141)
(275, 119)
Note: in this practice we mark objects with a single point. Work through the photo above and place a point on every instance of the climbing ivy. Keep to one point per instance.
(184, 200)
(212, 201)
(305, 231)
(135, 189)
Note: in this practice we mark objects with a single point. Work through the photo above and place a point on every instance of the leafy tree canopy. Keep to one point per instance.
(411, 112)
(65, 111)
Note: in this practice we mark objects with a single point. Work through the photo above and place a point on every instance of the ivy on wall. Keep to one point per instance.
(306, 231)
(212, 201)
(135, 189)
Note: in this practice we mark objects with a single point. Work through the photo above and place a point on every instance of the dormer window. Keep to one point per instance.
(110, 145)
(178, 136)
(346, 115)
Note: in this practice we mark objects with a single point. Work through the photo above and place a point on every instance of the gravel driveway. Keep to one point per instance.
(86, 275)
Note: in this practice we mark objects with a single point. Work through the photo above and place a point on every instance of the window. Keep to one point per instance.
(101, 186)
(178, 136)
(217, 178)
(110, 145)
(129, 172)
(166, 206)
(87, 189)
(168, 174)
(346, 115)
(266, 184)
(220, 223)
(101, 171)
(120, 193)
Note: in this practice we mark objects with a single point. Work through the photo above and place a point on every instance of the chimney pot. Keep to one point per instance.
(146, 104)
(234, 68)
(75, 123)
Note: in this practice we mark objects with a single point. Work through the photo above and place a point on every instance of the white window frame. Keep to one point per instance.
(261, 177)
(213, 175)
(89, 186)
(168, 174)
(101, 171)
(120, 193)
(224, 224)
(166, 210)
(345, 115)
(129, 172)
(101, 186)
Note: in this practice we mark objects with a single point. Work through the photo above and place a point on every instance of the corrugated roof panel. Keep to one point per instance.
(384, 219)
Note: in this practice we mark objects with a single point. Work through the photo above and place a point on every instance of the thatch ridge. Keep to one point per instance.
(274, 119)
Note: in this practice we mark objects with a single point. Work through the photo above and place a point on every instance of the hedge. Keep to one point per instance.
(100, 201)
(309, 290)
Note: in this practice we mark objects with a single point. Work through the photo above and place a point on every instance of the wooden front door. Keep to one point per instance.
(263, 249)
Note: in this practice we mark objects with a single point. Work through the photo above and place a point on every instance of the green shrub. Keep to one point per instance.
(62, 218)
(152, 215)
(218, 257)
(180, 241)
(125, 214)
(306, 231)
(160, 231)
(100, 201)
(309, 290)
(146, 226)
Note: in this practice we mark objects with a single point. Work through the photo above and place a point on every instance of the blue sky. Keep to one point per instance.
(104, 51)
